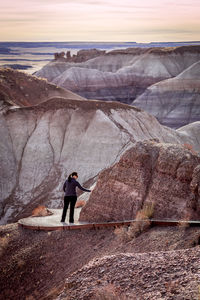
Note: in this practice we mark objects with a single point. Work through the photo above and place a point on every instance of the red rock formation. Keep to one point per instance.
(68, 55)
(165, 174)
(84, 55)
(60, 56)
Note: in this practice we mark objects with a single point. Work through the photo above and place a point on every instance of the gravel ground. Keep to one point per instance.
(35, 264)
(152, 276)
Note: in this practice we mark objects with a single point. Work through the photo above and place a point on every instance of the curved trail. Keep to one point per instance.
(50, 223)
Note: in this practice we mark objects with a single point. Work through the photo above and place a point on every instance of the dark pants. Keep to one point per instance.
(72, 201)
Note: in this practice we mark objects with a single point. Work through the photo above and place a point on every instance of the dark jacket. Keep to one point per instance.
(70, 187)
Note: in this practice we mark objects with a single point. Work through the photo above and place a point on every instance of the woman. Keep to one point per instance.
(70, 195)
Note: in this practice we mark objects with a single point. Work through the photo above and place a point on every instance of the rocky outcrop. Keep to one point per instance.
(150, 172)
(174, 102)
(160, 275)
(20, 89)
(81, 56)
(121, 75)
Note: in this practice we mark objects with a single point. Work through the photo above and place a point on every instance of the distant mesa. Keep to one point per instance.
(81, 56)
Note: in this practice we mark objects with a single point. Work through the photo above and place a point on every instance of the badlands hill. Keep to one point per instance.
(20, 89)
(174, 102)
(120, 75)
(41, 144)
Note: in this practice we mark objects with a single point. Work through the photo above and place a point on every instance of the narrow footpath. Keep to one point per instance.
(52, 222)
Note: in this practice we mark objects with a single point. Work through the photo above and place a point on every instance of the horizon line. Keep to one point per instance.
(39, 41)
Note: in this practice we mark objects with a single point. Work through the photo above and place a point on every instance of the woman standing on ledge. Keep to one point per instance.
(70, 195)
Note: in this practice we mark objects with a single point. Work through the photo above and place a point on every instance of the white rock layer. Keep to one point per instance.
(174, 102)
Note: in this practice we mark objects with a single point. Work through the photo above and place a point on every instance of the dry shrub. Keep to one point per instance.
(184, 223)
(121, 233)
(142, 220)
(190, 148)
(147, 210)
(108, 292)
(142, 223)
(80, 203)
(41, 211)
(137, 227)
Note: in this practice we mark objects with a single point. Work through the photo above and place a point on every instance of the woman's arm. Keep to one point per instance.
(82, 188)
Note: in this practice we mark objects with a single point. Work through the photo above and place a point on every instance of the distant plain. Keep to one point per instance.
(32, 56)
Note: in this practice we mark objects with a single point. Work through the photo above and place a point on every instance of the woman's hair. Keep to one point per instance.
(71, 175)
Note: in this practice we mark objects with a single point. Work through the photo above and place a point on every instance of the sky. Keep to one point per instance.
(95, 20)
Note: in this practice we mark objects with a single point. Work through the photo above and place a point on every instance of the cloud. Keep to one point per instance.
(96, 20)
(183, 3)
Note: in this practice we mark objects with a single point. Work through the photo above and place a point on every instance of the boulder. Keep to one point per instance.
(150, 172)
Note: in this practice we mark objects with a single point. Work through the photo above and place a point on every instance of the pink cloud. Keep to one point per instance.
(100, 20)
